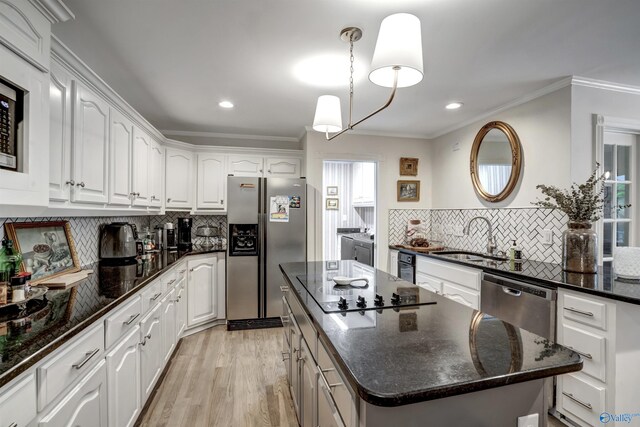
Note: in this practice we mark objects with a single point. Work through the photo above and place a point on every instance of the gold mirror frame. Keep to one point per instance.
(516, 161)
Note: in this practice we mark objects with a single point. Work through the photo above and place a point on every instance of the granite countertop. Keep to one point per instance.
(603, 284)
(395, 357)
(27, 337)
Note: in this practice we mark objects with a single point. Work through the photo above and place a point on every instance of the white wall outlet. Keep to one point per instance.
(531, 420)
(547, 237)
(455, 146)
(457, 231)
(448, 229)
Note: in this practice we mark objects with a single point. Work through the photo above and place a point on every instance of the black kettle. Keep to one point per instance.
(118, 241)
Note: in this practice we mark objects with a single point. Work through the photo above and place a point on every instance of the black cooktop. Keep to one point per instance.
(381, 292)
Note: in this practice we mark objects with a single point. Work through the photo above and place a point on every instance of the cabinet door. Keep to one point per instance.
(168, 325)
(179, 178)
(123, 381)
(181, 308)
(201, 292)
(393, 263)
(150, 351)
(212, 181)
(245, 166)
(294, 377)
(327, 412)
(308, 383)
(461, 295)
(18, 403)
(141, 149)
(156, 177)
(364, 184)
(429, 283)
(90, 152)
(59, 134)
(85, 405)
(285, 167)
(120, 159)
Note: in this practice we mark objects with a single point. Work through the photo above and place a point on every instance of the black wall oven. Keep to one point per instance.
(407, 267)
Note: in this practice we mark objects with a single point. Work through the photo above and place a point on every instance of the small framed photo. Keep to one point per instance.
(47, 248)
(332, 191)
(408, 166)
(408, 191)
(332, 204)
(331, 265)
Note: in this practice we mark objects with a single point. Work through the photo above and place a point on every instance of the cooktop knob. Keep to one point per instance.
(395, 298)
(361, 302)
(343, 304)
(378, 300)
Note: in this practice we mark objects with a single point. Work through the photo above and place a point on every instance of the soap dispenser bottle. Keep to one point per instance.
(515, 253)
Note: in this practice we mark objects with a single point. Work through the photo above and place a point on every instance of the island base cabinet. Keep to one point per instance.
(85, 405)
(308, 382)
(328, 415)
(123, 381)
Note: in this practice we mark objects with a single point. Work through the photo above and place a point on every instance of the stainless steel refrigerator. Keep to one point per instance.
(267, 226)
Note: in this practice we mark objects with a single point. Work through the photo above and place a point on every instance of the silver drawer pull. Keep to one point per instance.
(578, 401)
(16, 424)
(88, 357)
(285, 355)
(156, 296)
(171, 282)
(284, 289)
(585, 355)
(284, 319)
(325, 381)
(131, 319)
(144, 339)
(182, 271)
(575, 310)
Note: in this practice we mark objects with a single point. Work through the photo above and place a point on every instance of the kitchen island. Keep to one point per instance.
(421, 359)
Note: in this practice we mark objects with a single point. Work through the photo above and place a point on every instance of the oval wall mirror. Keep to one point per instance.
(496, 159)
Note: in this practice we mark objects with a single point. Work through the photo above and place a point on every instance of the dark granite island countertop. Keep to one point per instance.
(395, 357)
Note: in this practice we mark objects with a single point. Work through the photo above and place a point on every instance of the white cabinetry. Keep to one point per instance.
(245, 166)
(285, 167)
(60, 181)
(308, 383)
(156, 173)
(121, 150)
(392, 268)
(141, 168)
(181, 307)
(26, 31)
(205, 289)
(169, 332)
(212, 181)
(123, 381)
(179, 179)
(456, 282)
(90, 155)
(18, 403)
(151, 351)
(364, 184)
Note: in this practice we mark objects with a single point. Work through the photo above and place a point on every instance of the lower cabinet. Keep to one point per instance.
(294, 371)
(181, 307)
(150, 351)
(123, 381)
(205, 289)
(18, 403)
(392, 268)
(168, 325)
(85, 405)
(328, 415)
(308, 382)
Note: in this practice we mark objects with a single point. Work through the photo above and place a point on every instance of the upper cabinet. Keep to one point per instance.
(90, 148)
(121, 150)
(26, 31)
(364, 188)
(179, 186)
(282, 167)
(212, 181)
(156, 173)
(245, 166)
(141, 169)
(60, 182)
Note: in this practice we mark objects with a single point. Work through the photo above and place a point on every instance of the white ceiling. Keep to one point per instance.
(175, 60)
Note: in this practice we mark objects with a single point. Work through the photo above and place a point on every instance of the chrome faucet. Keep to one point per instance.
(491, 240)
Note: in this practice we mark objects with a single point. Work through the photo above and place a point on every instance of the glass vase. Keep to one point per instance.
(580, 248)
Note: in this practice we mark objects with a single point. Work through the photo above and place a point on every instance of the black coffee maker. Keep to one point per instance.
(184, 234)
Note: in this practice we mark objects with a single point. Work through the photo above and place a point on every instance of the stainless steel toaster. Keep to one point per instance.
(118, 241)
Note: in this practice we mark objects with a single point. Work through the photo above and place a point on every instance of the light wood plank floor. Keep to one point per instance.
(220, 378)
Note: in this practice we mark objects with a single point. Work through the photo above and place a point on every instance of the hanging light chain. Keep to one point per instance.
(351, 59)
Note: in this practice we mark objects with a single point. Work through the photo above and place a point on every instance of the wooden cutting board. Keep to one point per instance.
(66, 280)
(421, 249)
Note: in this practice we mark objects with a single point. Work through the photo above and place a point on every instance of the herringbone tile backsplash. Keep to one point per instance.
(523, 225)
(86, 230)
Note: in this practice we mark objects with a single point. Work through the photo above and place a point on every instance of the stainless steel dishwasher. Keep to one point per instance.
(522, 304)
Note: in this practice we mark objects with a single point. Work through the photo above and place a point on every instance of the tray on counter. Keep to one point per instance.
(420, 248)
(34, 292)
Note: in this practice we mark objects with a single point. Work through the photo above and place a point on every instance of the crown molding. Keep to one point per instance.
(309, 129)
(231, 150)
(53, 10)
(169, 132)
(602, 84)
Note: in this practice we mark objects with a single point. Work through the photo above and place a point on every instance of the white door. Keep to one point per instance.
(181, 308)
(168, 325)
(150, 351)
(179, 179)
(120, 179)
(245, 166)
(85, 405)
(60, 182)
(156, 177)
(123, 381)
(201, 292)
(308, 382)
(212, 181)
(90, 148)
(141, 150)
(283, 167)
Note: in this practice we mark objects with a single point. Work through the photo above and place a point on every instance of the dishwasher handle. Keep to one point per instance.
(511, 291)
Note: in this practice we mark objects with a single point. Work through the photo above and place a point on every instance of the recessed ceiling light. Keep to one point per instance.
(226, 104)
(453, 105)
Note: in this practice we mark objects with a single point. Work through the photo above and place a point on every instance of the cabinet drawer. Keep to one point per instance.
(584, 310)
(580, 398)
(67, 366)
(169, 279)
(429, 283)
(18, 403)
(591, 347)
(461, 295)
(303, 321)
(181, 272)
(151, 295)
(123, 320)
(338, 389)
(464, 276)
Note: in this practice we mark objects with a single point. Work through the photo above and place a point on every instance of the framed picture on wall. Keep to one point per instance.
(332, 191)
(408, 166)
(408, 191)
(332, 204)
(47, 248)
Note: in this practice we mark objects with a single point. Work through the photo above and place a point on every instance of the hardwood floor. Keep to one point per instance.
(220, 378)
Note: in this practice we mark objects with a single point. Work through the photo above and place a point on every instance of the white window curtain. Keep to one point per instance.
(494, 177)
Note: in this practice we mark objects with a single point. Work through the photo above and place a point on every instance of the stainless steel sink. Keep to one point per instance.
(470, 256)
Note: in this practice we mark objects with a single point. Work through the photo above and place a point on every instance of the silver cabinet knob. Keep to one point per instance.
(222, 201)
(80, 184)
(70, 182)
(191, 269)
(169, 200)
(154, 198)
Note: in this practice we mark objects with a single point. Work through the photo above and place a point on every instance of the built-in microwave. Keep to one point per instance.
(8, 127)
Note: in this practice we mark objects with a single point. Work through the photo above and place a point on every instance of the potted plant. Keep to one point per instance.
(583, 204)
